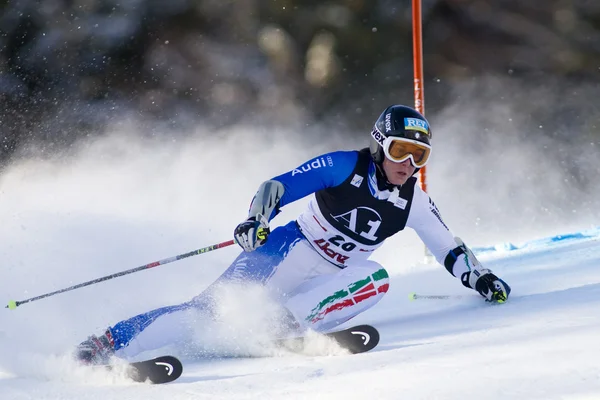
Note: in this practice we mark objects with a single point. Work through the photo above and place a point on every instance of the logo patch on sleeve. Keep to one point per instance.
(434, 210)
(312, 165)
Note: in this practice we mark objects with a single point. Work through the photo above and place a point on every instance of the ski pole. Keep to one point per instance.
(415, 296)
(14, 304)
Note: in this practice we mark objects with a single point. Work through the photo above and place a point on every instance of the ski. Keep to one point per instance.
(158, 370)
(357, 339)
(165, 369)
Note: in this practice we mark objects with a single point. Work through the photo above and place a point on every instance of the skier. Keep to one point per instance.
(317, 266)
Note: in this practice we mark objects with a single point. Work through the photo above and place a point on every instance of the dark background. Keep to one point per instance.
(69, 68)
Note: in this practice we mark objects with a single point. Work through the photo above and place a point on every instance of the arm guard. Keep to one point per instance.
(462, 263)
(266, 200)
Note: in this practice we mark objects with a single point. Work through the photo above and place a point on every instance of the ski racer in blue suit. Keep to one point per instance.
(317, 266)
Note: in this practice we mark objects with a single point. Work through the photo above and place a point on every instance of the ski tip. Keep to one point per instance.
(358, 339)
(369, 336)
(159, 370)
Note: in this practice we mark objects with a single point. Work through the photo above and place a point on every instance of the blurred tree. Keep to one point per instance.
(69, 67)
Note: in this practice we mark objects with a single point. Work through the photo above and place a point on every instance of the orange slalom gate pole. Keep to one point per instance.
(419, 90)
(418, 72)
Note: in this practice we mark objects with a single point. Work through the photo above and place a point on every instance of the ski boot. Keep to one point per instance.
(96, 350)
(288, 326)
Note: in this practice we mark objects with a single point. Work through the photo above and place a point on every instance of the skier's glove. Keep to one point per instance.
(252, 233)
(487, 284)
(462, 262)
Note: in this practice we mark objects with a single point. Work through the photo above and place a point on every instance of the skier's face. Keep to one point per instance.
(398, 173)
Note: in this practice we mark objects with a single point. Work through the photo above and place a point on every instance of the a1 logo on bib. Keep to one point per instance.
(362, 221)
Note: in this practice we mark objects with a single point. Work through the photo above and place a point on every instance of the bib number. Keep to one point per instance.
(337, 241)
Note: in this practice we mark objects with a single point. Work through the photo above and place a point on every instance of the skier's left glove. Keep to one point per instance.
(487, 284)
(252, 233)
(461, 262)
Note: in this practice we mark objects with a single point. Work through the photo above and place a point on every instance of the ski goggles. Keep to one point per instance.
(399, 149)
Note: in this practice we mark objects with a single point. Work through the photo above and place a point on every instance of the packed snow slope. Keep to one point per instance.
(119, 203)
(542, 344)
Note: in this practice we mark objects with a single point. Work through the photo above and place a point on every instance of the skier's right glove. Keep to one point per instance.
(252, 233)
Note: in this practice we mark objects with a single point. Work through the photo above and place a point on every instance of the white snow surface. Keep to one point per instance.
(65, 222)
